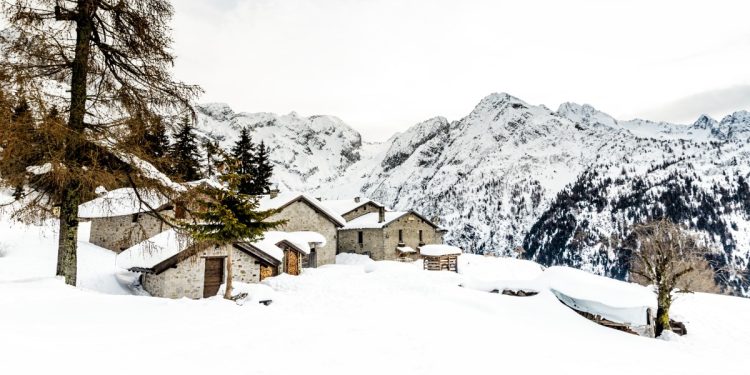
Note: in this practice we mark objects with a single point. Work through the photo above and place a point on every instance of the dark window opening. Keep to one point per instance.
(135, 218)
(360, 238)
(400, 235)
(420, 235)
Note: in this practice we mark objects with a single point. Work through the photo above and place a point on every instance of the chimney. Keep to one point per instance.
(274, 193)
(381, 215)
(356, 199)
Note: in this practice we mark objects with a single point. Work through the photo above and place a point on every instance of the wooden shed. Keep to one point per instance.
(440, 257)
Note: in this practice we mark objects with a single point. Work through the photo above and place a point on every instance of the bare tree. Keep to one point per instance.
(671, 261)
(96, 74)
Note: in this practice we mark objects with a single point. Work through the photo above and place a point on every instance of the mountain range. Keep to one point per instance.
(511, 178)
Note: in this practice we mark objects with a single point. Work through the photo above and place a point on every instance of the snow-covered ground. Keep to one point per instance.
(356, 317)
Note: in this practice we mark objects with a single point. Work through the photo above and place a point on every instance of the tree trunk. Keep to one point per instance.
(68, 234)
(228, 290)
(664, 301)
(67, 258)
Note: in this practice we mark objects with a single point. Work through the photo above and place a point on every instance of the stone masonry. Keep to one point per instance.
(186, 279)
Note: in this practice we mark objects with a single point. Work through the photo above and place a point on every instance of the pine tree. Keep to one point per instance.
(263, 171)
(243, 153)
(224, 216)
(184, 153)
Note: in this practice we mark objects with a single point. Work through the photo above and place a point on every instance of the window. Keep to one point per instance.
(360, 237)
(135, 218)
(420, 235)
(400, 235)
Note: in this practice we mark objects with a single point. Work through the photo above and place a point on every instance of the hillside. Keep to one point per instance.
(345, 318)
(563, 185)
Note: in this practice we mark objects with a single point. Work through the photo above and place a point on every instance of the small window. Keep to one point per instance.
(135, 218)
(360, 237)
(420, 235)
(400, 235)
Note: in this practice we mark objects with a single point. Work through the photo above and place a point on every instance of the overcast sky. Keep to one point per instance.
(384, 65)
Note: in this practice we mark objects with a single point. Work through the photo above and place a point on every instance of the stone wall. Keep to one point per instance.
(186, 278)
(372, 242)
(301, 216)
(369, 207)
(121, 232)
(381, 243)
(410, 224)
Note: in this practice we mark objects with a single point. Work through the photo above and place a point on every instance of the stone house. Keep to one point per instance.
(388, 235)
(353, 208)
(302, 212)
(172, 266)
(120, 220)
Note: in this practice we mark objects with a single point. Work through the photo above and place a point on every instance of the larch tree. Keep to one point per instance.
(671, 261)
(96, 75)
(184, 156)
(223, 215)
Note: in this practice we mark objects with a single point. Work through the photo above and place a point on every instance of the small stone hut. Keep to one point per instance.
(119, 219)
(440, 257)
(172, 266)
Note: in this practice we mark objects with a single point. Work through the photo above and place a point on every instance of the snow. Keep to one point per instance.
(357, 316)
(266, 202)
(301, 240)
(342, 206)
(163, 246)
(405, 249)
(154, 250)
(119, 202)
(372, 220)
(439, 250)
(39, 169)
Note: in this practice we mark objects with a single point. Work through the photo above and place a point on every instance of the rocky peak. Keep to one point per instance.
(705, 122)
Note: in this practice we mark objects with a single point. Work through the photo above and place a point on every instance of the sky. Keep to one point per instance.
(382, 66)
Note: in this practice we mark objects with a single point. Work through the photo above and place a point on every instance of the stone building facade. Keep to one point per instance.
(364, 209)
(302, 214)
(118, 233)
(186, 277)
(381, 239)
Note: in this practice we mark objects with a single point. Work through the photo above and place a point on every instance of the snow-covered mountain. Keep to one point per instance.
(306, 151)
(563, 186)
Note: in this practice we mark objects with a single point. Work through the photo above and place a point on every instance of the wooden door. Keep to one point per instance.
(265, 271)
(292, 262)
(213, 277)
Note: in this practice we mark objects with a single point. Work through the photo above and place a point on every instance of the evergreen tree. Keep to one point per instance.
(224, 216)
(263, 171)
(156, 141)
(243, 154)
(184, 153)
(213, 153)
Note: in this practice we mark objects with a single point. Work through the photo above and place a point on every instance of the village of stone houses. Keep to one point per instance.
(164, 208)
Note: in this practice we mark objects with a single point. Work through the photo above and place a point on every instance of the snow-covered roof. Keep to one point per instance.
(343, 206)
(614, 300)
(154, 250)
(301, 240)
(371, 220)
(405, 249)
(437, 250)
(121, 202)
(151, 252)
(266, 202)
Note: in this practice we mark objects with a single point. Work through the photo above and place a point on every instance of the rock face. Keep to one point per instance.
(563, 186)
